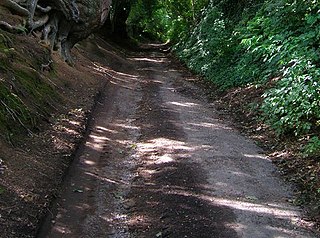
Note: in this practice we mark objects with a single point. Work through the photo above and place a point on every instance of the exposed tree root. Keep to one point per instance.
(40, 22)
(12, 29)
(32, 5)
(44, 9)
(14, 6)
(60, 21)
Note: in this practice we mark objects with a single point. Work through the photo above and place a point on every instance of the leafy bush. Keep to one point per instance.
(213, 48)
(163, 20)
(283, 40)
(312, 148)
(207, 51)
(294, 105)
(278, 39)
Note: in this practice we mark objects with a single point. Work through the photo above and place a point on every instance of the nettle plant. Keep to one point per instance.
(282, 41)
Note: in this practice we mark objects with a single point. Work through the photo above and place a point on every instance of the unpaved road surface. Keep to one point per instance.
(160, 162)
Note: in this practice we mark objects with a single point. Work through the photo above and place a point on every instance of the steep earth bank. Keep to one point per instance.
(34, 162)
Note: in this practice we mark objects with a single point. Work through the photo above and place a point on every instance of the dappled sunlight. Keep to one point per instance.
(282, 212)
(117, 77)
(97, 142)
(256, 156)
(89, 162)
(62, 229)
(69, 126)
(101, 135)
(126, 126)
(164, 159)
(105, 143)
(175, 164)
(114, 216)
(183, 104)
(162, 150)
(104, 179)
(101, 129)
(157, 82)
(141, 220)
(195, 108)
(152, 60)
(108, 71)
(274, 211)
(126, 143)
(208, 125)
(148, 172)
(99, 139)
(162, 143)
(75, 123)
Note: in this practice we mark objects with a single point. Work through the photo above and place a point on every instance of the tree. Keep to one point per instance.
(120, 12)
(166, 19)
(63, 22)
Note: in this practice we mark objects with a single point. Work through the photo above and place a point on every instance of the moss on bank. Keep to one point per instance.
(26, 97)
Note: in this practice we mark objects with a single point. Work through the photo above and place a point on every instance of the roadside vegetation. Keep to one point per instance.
(267, 50)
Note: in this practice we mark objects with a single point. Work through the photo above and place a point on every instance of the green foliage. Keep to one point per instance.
(294, 105)
(212, 49)
(209, 47)
(312, 148)
(163, 20)
(283, 39)
(277, 40)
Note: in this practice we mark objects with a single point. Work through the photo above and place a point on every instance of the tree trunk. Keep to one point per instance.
(119, 16)
(63, 22)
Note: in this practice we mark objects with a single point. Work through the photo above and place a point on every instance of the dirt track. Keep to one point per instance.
(160, 162)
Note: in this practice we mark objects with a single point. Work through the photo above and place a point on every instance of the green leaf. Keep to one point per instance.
(2, 190)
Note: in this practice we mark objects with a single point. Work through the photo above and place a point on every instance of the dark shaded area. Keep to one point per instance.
(115, 25)
(234, 9)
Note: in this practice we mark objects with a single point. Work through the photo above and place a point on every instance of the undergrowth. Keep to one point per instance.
(275, 41)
